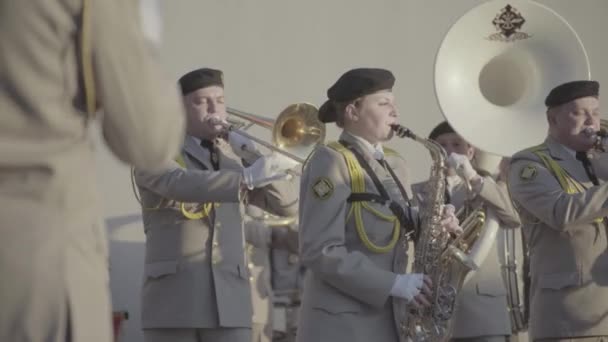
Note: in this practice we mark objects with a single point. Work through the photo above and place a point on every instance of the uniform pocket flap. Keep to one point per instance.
(159, 269)
(491, 288)
(557, 281)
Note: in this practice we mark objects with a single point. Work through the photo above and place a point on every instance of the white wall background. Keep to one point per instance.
(276, 52)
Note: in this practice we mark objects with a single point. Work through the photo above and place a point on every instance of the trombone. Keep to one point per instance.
(295, 132)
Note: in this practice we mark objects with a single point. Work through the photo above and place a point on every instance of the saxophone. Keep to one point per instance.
(445, 259)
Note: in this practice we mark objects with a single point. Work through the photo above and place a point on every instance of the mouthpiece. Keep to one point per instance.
(600, 139)
(403, 132)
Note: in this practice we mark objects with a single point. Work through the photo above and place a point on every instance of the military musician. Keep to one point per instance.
(354, 215)
(196, 285)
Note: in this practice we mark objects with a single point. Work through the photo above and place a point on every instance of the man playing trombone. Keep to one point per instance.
(196, 285)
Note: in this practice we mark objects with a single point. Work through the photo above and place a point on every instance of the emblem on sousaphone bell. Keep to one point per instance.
(508, 23)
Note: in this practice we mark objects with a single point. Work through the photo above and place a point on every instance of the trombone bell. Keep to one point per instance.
(298, 129)
(295, 132)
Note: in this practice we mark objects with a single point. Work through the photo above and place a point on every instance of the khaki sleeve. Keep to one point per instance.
(534, 188)
(496, 196)
(278, 198)
(143, 117)
(325, 186)
(191, 185)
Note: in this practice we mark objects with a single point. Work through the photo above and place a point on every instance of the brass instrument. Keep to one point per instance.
(513, 251)
(274, 221)
(295, 132)
(600, 136)
(431, 323)
(501, 67)
(443, 258)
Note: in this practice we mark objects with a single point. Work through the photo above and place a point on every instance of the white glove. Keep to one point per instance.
(407, 286)
(243, 147)
(449, 221)
(462, 165)
(265, 170)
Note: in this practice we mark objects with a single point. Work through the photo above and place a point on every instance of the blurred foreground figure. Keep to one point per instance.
(53, 255)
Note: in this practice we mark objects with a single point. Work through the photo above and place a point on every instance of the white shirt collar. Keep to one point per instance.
(375, 150)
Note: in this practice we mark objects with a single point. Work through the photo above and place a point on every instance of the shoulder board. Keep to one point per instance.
(310, 156)
(531, 153)
(536, 148)
(335, 145)
(180, 160)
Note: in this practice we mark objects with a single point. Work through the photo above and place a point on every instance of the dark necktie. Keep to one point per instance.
(582, 156)
(215, 158)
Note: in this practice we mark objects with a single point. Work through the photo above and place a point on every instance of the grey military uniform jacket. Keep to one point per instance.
(196, 273)
(481, 307)
(346, 294)
(568, 250)
(53, 254)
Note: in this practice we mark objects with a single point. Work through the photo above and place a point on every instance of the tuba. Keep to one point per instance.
(503, 57)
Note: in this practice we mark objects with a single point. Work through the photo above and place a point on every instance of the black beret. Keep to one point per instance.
(442, 128)
(352, 85)
(201, 78)
(569, 91)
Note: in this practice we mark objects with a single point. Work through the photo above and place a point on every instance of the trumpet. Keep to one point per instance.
(599, 137)
(296, 131)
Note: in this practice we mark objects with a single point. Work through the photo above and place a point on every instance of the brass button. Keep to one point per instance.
(251, 279)
(215, 244)
(250, 265)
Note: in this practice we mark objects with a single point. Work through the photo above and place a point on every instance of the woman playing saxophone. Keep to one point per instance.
(355, 220)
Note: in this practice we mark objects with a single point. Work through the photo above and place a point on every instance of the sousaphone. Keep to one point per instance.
(493, 71)
(495, 67)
